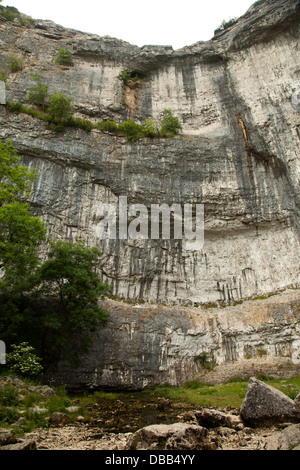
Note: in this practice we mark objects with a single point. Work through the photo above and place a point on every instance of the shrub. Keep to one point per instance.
(23, 361)
(15, 63)
(131, 130)
(60, 107)
(108, 126)
(9, 395)
(226, 24)
(37, 95)
(64, 57)
(170, 125)
(150, 128)
(3, 76)
(130, 79)
(10, 13)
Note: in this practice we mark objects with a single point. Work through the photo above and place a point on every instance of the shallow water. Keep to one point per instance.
(133, 411)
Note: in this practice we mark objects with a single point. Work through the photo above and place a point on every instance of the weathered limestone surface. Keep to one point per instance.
(238, 154)
(145, 345)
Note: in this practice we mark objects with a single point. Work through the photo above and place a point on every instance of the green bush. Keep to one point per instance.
(131, 130)
(64, 57)
(9, 395)
(150, 128)
(37, 95)
(226, 24)
(23, 361)
(170, 125)
(130, 79)
(10, 13)
(60, 108)
(15, 63)
(108, 126)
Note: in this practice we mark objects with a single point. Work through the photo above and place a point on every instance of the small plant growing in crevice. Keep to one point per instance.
(37, 95)
(64, 57)
(15, 63)
(131, 79)
(226, 24)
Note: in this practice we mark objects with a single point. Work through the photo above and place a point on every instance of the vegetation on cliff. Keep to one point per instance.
(48, 303)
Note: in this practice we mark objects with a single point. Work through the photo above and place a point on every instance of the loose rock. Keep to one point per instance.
(263, 403)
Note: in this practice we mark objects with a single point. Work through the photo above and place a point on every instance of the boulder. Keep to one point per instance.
(290, 437)
(210, 418)
(21, 445)
(297, 406)
(177, 436)
(7, 438)
(59, 419)
(265, 404)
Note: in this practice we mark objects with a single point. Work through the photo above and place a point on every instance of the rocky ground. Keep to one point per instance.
(113, 424)
(83, 437)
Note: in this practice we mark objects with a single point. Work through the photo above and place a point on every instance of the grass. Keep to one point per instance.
(21, 402)
(229, 394)
(129, 129)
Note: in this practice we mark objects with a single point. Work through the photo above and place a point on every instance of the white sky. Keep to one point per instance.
(156, 22)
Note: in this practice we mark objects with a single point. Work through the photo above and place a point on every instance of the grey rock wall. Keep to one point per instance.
(145, 345)
(238, 154)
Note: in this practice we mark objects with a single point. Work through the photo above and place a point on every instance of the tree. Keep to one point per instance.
(21, 234)
(48, 304)
(72, 288)
(15, 179)
(60, 107)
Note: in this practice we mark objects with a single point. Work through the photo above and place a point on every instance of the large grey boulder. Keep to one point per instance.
(177, 436)
(264, 403)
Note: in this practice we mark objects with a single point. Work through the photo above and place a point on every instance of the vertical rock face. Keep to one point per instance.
(238, 153)
(237, 97)
(147, 345)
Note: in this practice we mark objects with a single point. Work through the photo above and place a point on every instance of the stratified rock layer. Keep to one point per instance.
(238, 155)
(144, 345)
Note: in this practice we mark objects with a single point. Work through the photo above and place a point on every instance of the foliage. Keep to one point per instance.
(15, 179)
(20, 236)
(150, 128)
(46, 303)
(8, 395)
(131, 130)
(71, 286)
(64, 57)
(108, 126)
(226, 24)
(130, 79)
(37, 95)
(23, 361)
(60, 108)
(60, 116)
(3, 76)
(10, 13)
(15, 63)
(20, 232)
(170, 125)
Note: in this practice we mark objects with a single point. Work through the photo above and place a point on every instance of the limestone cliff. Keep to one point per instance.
(238, 153)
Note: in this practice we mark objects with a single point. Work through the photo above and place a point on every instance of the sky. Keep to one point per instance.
(156, 22)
